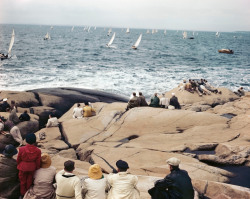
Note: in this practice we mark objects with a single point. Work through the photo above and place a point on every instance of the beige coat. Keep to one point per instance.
(43, 184)
(123, 186)
(95, 188)
(52, 122)
(68, 186)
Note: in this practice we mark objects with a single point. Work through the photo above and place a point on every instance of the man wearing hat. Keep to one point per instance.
(9, 184)
(123, 184)
(176, 185)
(28, 161)
(43, 181)
(68, 184)
(4, 105)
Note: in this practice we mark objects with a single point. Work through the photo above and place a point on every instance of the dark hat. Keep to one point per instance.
(10, 150)
(122, 164)
(31, 138)
(69, 165)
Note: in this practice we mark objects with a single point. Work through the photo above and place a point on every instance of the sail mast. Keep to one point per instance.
(11, 42)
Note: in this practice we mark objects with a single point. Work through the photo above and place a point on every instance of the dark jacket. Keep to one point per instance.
(174, 102)
(28, 158)
(24, 117)
(142, 101)
(155, 102)
(178, 185)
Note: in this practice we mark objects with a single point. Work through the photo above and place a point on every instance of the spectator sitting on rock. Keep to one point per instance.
(4, 105)
(155, 101)
(13, 116)
(28, 161)
(123, 184)
(182, 85)
(9, 184)
(142, 100)
(188, 87)
(174, 102)
(175, 185)
(88, 110)
(133, 102)
(24, 116)
(240, 92)
(43, 181)
(52, 121)
(164, 102)
(96, 185)
(68, 184)
(78, 111)
(14, 131)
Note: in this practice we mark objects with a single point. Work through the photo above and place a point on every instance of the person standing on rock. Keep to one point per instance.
(52, 121)
(42, 187)
(68, 184)
(174, 102)
(78, 112)
(28, 161)
(95, 186)
(9, 184)
(176, 185)
(88, 110)
(122, 184)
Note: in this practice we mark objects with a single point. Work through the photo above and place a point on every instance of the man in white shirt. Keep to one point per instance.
(68, 184)
(52, 122)
(164, 102)
(78, 112)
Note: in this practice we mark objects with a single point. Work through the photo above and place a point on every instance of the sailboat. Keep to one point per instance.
(127, 31)
(89, 28)
(165, 32)
(147, 32)
(184, 34)
(217, 34)
(153, 31)
(135, 46)
(2, 56)
(47, 36)
(72, 29)
(111, 40)
(110, 30)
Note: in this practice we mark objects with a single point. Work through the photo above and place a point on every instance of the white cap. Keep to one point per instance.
(173, 161)
(5, 99)
(173, 94)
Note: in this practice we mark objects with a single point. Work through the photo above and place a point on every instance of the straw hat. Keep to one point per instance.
(95, 172)
(45, 160)
(173, 161)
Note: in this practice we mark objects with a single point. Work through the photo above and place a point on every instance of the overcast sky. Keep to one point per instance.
(211, 15)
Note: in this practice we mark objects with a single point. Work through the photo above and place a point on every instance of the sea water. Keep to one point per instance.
(81, 59)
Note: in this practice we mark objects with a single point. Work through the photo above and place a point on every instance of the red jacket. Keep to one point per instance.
(29, 158)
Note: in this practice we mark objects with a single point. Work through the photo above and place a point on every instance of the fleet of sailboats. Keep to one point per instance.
(135, 46)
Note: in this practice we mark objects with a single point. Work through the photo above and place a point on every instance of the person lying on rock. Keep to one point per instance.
(68, 184)
(155, 101)
(96, 185)
(52, 121)
(28, 161)
(240, 92)
(122, 184)
(78, 111)
(175, 185)
(9, 183)
(88, 110)
(24, 116)
(43, 180)
(133, 102)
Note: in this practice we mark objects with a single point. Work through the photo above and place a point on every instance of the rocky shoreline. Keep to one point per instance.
(145, 137)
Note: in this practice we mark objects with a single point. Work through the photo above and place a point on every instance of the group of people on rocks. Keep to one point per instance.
(200, 86)
(163, 102)
(86, 111)
(39, 180)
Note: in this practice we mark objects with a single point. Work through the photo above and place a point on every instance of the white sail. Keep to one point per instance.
(47, 36)
(11, 42)
(89, 28)
(110, 31)
(184, 35)
(165, 32)
(127, 31)
(137, 42)
(111, 40)
(147, 31)
(72, 29)
(153, 31)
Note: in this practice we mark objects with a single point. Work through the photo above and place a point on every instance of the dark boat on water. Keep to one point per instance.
(227, 51)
